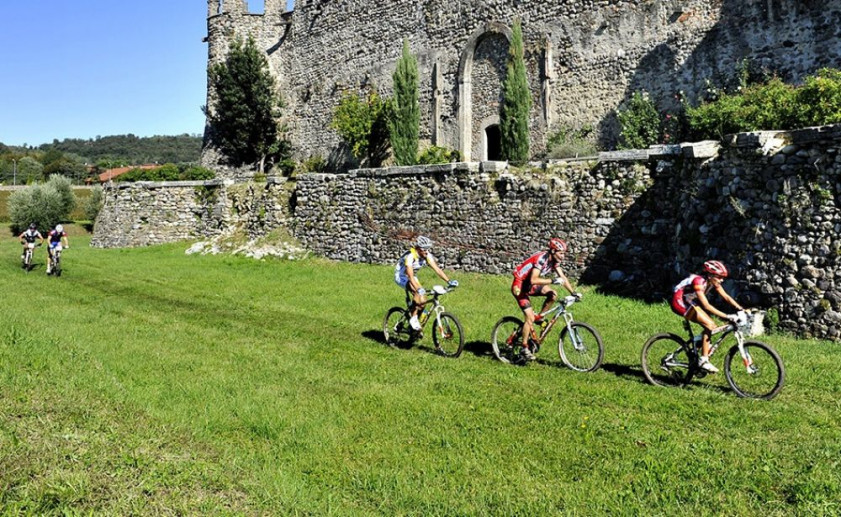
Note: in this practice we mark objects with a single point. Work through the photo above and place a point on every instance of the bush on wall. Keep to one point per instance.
(168, 172)
(363, 124)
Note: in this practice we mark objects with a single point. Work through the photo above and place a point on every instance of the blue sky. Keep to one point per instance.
(82, 68)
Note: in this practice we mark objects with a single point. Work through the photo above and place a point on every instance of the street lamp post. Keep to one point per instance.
(15, 172)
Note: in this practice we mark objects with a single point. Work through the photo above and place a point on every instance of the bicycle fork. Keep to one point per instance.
(747, 360)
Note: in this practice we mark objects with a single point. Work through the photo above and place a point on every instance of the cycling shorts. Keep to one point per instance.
(521, 292)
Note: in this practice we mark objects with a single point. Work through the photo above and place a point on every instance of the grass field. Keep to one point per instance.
(146, 381)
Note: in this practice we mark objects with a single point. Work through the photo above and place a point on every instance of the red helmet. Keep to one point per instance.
(557, 244)
(716, 268)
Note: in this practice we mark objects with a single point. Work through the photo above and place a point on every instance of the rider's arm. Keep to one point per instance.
(536, 279)
(705, 304)
(727, 298)
(438, 270)
(564, 280)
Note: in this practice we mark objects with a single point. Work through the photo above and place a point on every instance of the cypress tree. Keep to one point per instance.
(516, 103)
(406, 117)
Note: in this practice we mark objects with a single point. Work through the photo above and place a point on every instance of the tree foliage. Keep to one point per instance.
(639, 121)
(246, 109)
(363, 125)
(44, 204)
(516, 103)
(404, 125)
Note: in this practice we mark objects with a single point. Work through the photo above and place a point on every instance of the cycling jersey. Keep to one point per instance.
(542, 260)
(685, 296)
(55, 237)
(30, 236)
(522, 288)
(410, 259)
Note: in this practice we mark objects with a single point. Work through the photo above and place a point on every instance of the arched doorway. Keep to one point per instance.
(493, 140)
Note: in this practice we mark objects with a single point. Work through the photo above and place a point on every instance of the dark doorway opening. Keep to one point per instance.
(493, 146)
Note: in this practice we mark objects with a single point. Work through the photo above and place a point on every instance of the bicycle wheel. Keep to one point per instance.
(760, 376)
(448, 336)
(506, 339)
(57, 265)
(666, 362)
(396, 329)
(581, 349)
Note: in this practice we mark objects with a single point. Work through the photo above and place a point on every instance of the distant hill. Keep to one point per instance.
(132, 149)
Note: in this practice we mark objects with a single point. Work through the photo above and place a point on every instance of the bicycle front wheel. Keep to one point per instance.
(581, 348)
(758, 375)
(665, 361)
(448, 335)
(506, 339)
(396, 329)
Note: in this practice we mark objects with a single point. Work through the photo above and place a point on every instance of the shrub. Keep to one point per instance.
(168, 172)
(93, 204)
(363, 124)
(44, 204)
(435, 154)
(571, 143)
(640, 122)
(314, 163)
(820, 98)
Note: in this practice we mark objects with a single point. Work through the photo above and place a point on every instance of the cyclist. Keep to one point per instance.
(54, 239)
(405, 275)
(27, 238)
(528, 282)
(690, 301)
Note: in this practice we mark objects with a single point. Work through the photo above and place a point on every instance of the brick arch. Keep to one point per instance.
(465, 83)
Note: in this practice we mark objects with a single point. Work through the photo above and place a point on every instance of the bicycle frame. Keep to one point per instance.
(558, 310)
(725, 330)
(437, 308)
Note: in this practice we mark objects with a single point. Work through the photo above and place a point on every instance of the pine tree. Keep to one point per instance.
(244, 117)
(516, 103)
(406, 120)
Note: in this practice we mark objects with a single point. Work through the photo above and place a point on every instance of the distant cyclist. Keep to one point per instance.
(405, 275)
(28, 238)
(54, 239)
(528, 281)
(690, 301)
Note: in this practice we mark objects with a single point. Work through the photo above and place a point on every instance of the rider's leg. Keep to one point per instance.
(699, 316)
(551, 297)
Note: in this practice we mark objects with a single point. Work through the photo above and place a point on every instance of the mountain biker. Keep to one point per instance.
(27, 238)
(54, 239)
(690, 301)
(528, 282)
(405, 275)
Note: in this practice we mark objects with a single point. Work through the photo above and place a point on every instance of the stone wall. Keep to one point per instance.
(147, 213)
(583, 58)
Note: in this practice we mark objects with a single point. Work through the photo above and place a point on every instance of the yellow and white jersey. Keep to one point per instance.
(410, 259)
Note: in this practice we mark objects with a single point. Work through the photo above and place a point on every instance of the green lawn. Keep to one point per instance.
(146, 381)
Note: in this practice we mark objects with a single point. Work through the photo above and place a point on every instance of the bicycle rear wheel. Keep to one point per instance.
(506, 339)
(448, 336)
(581, 349)
(666, 362)
(396, 329)
(758, 376)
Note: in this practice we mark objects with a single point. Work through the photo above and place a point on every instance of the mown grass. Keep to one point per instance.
(148, 381)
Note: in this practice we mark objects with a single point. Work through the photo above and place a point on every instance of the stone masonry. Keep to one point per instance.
(584, 58)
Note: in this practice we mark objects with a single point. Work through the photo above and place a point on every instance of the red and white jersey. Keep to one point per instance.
(541, 260)
(685, 295)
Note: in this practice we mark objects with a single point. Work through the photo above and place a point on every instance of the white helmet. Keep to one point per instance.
(424, 243)
(59, 228)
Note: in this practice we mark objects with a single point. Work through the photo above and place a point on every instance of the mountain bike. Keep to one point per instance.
(28, 250)
(56, 269)
(580, 345)
(752, 368)
(447, 333)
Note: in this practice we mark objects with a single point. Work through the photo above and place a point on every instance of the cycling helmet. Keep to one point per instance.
(33, 226)
(714, 267)
(424, 243)
(59, 228)
(557, 244)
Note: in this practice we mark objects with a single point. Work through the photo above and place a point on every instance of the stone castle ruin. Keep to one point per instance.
(583, 57)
